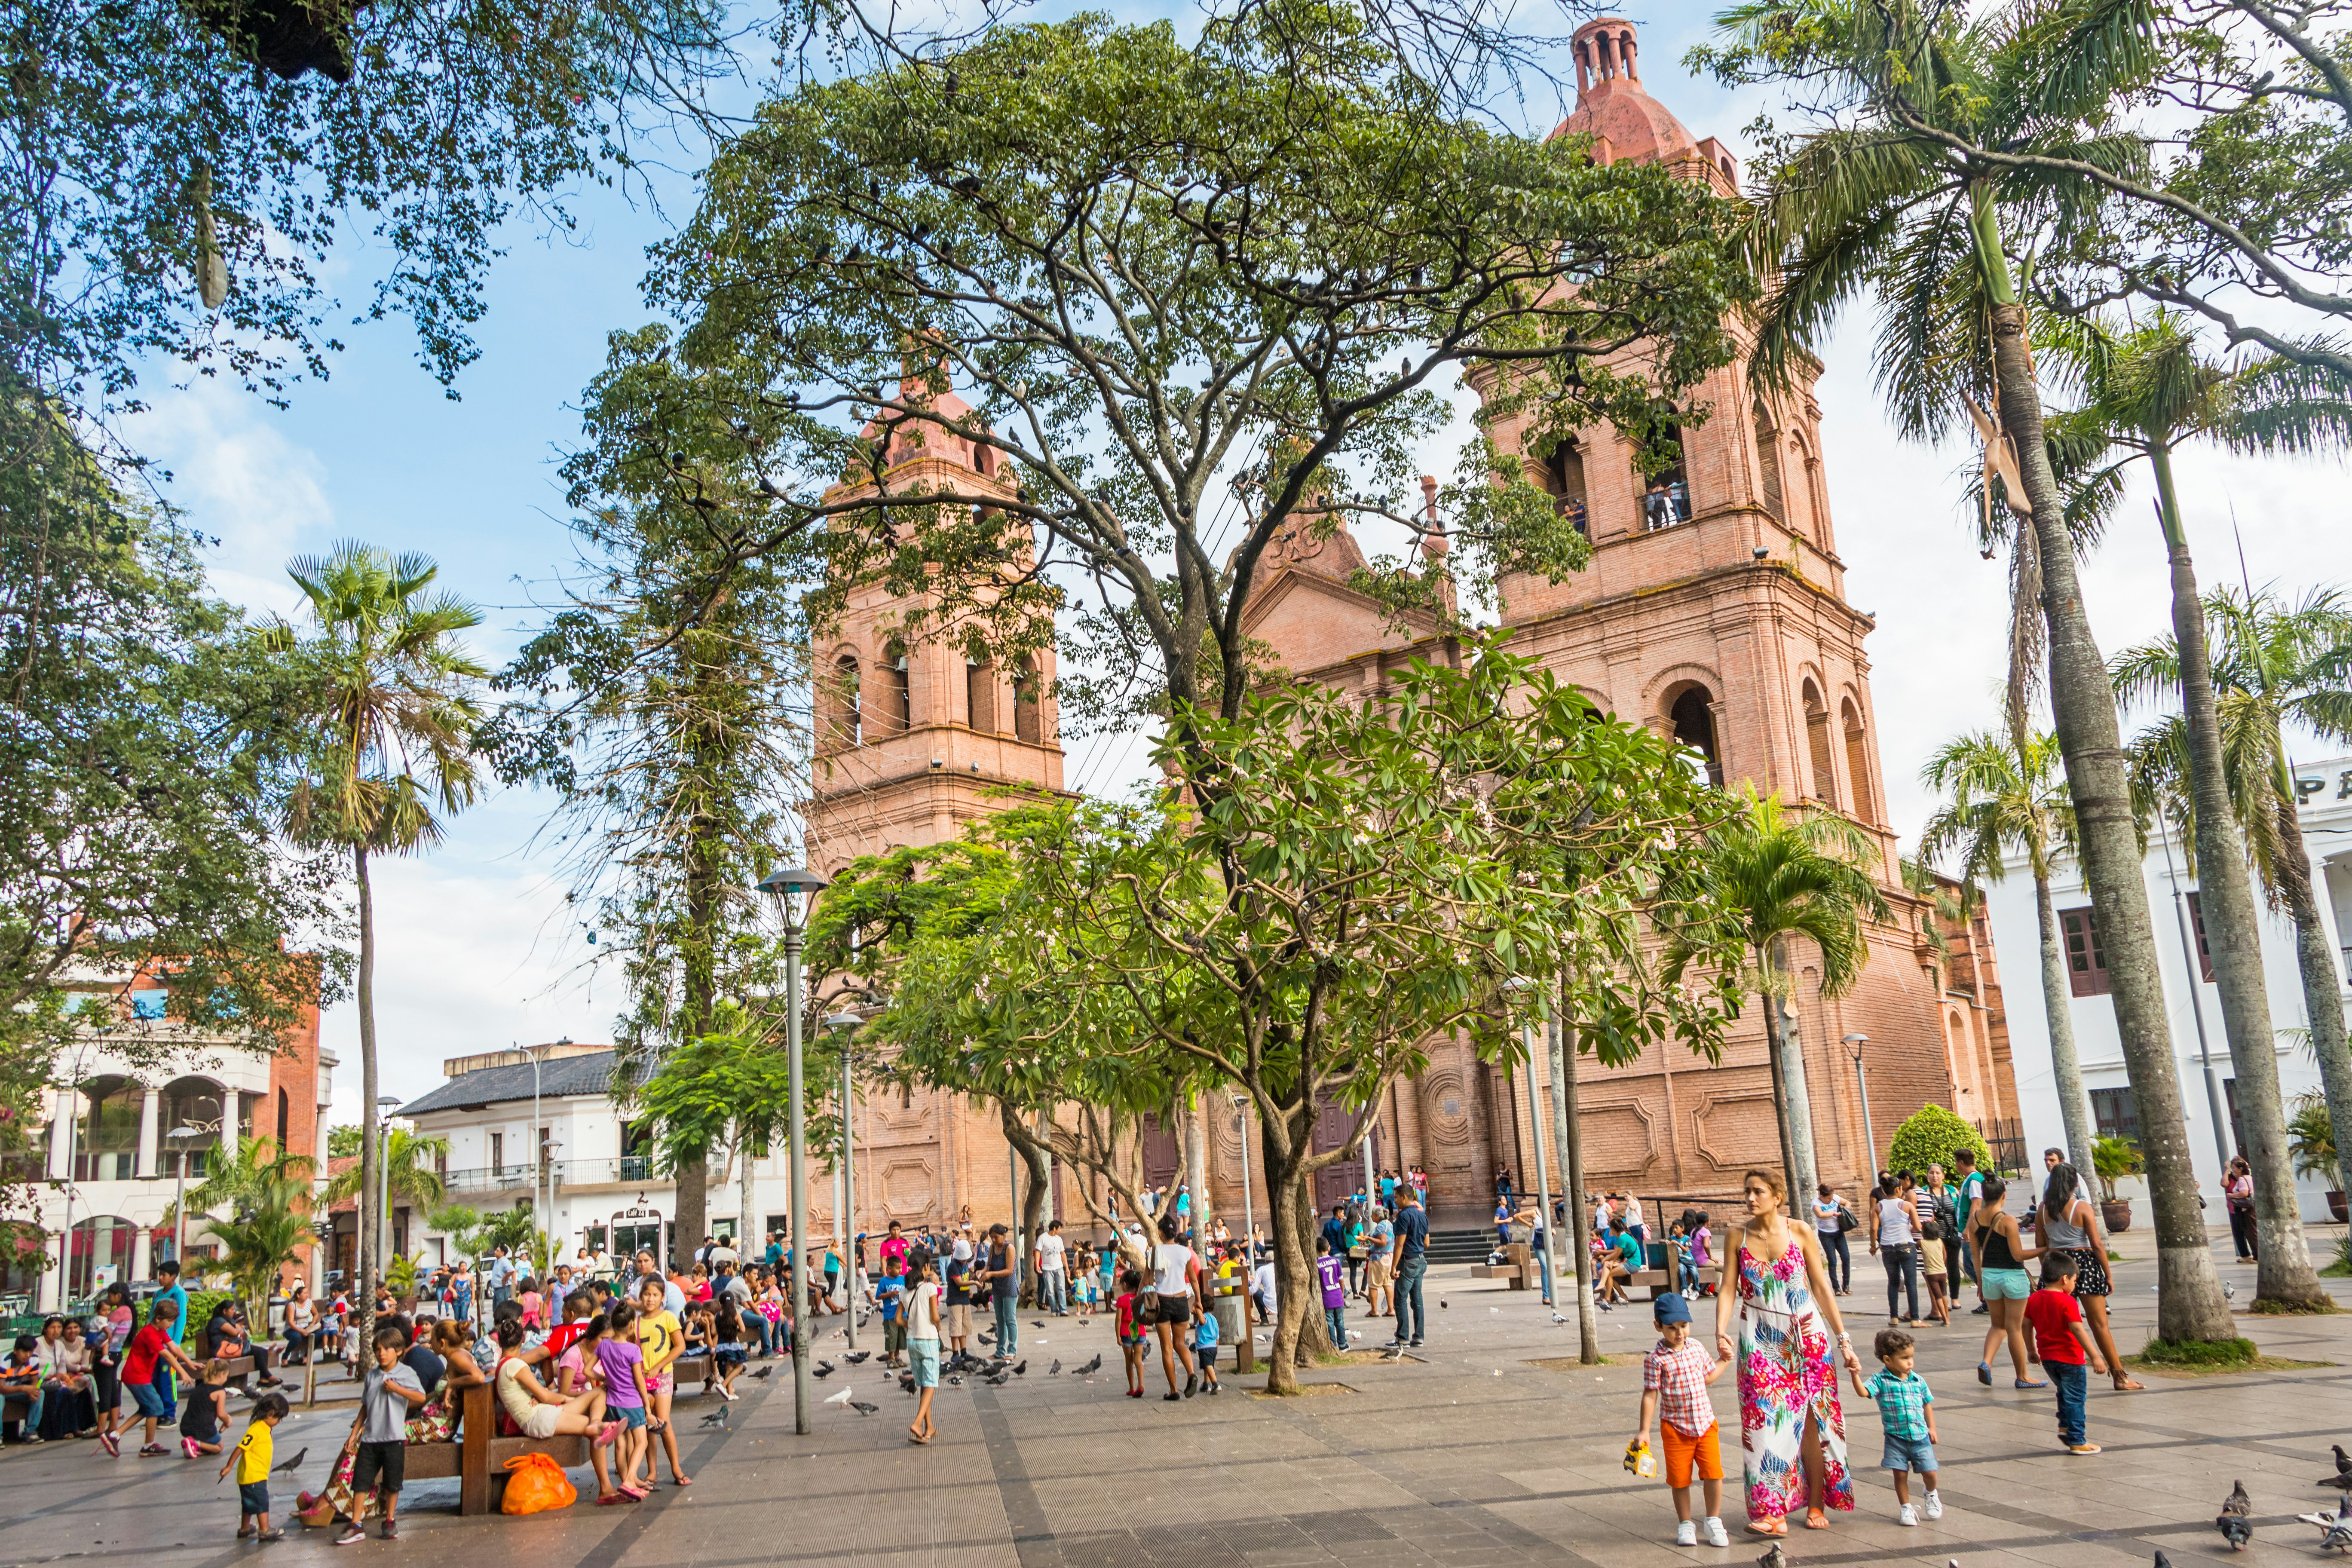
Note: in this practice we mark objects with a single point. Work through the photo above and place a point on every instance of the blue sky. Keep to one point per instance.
(476, 951)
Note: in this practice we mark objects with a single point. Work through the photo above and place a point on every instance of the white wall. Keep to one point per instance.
(2327, 821)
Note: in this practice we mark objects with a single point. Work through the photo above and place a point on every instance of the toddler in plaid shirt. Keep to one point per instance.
(1674, 1376)
(1907, 1411)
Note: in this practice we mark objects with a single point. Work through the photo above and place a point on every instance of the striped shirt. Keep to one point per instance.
(1902, 1404)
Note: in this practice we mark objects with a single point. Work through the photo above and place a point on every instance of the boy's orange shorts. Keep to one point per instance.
(1681, 1451)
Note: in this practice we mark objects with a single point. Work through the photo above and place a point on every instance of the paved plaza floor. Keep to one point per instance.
(1471, 1456)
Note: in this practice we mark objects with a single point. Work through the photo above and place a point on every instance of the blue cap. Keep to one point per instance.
(1670, 1307)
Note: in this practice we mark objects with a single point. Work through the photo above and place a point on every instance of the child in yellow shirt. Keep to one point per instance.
(251, 1459)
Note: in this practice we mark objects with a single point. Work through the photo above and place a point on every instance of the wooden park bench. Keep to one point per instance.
(478, 1458)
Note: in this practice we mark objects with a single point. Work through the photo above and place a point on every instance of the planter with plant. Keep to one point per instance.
(2113, 1159)
(400, 1279)
(1930, 1136)
(2311, 1141)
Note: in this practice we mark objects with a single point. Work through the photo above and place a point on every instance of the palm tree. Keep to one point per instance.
(1788, 876)
(389, 693)
(269, 1192)
(2002, 802)
(411, 1172)
(2273, 666)
(1894, 201)
(2147, 391)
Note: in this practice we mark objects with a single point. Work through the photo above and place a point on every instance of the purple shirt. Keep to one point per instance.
(1334, 1275)
(616, 1357)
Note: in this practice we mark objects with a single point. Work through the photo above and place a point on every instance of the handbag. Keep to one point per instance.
(1845, 1218)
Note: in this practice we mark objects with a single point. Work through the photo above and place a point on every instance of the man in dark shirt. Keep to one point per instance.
(1413, 1262)
(1004, 1291)
(419, 1357)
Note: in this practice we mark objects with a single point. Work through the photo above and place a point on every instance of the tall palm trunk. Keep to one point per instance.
(2232, 936)
(1789, 1046)
(1571, 1144)
(2065, 1065)
(1196, 1155)
(2190, 1305)
(371, 1168)
(2323, 1001)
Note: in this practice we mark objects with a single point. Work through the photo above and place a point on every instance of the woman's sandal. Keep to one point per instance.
(1816, 1520)
(1768, 1527)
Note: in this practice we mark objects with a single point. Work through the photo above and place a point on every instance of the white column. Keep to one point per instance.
(65, 1105)
(143, 1247)
(232, 1102)
(151, 1112)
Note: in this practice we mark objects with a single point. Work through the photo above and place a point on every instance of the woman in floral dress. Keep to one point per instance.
(1791, 1431)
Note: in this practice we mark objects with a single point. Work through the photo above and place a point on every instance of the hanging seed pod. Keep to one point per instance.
(212, 265)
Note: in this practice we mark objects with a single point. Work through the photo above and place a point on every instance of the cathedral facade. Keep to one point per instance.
(1713, 610)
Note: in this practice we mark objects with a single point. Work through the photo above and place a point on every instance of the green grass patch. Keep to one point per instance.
(2322, 1308)
(2198, 1352)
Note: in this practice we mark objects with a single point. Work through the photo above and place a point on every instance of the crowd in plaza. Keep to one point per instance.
(595, 1349)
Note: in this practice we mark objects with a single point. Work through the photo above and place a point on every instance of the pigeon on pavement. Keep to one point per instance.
(2343, 1459)
(1022, 1368)
(862, 1407)
(853, 1357)
(2161, 1560)
(762, 1373)
(717, 1417)
(822, 1369)
(999, 1381)
(1773, 1557)
(292, 1465)
(1056, 1368)
(2234, 1529)
(2238, 1502)
(1091, 1367)
(841, 1398)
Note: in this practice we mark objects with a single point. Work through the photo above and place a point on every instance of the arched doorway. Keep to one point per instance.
(1692, 713)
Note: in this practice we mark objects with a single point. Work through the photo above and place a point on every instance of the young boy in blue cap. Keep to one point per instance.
(1674, 1378)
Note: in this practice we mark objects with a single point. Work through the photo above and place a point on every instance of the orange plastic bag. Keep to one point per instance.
(536, 1483)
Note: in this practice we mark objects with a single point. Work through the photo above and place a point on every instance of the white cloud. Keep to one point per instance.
(236, 477)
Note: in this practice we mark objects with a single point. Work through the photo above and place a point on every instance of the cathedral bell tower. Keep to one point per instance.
(914, 735)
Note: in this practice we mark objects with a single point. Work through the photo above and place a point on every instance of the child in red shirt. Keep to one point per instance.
(149, 1347)
(2067, 1352)
(1130, 1332)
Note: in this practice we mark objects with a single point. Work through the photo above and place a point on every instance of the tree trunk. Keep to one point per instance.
(1296, 1295)
(2065, 1067)
(2234, 936)
(744, 1246)
(1780, 1095)
(1314, 1334)
(1196, 1156)
(1801, 1109)
(1031, 1153)
(1571, 1144)
(367, 1262)
(2190, 1305)
(2323, 1002)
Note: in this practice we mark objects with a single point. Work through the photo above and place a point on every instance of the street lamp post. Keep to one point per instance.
(177, 1136)
(1249, 1207)
(1854, 1044)
(1544, 1228)
(786, 887)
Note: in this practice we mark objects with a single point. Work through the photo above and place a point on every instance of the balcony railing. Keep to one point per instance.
(488, 1179)
(627, 1169)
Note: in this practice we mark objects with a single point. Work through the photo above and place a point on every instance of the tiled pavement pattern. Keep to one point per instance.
(1440, 1461)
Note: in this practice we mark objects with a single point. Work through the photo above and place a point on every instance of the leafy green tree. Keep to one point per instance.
(1782, 876)
(141, 760)
(1941, 146)
(342, 1143)
(1930, 1136)
(665, 709)
(411, 1171)
(1374, 876)
(389, 696)
(732, 1083)
(1152, 268)
(2274, 667)
(178, 177)
(2001, 801)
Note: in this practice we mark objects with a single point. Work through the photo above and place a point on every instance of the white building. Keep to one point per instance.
(105, 1168)
(607, 1185)
(2326, 820)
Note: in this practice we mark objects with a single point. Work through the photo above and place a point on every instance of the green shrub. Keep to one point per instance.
(1930, 1137)
(2199, 1352)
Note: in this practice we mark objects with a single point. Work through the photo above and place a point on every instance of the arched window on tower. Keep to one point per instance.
(893, 704)
(843, 722)
(1693, 716)
(1767, 462)
(1817, 743)
(1857, 761)
(1560, 472)
(1028, 702)
(1666, 495)
(980, 694)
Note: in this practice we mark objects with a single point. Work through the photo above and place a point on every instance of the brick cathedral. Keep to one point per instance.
(1713, 610)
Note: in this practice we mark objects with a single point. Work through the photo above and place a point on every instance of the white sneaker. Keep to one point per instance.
(1935, 1508)
(1687, 1533)
(1714, 1533)
(1909, 1516)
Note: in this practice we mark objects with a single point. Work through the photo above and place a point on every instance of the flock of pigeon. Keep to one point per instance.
(996, 1371)
(2236, 1521)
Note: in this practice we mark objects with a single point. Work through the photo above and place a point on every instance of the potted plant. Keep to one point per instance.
(2113, 1159)
(400, 1279)
(2311, 1138)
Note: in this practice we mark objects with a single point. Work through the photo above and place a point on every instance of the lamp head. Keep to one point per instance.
(842, 1020)
(791, 879)
(185, 1132)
